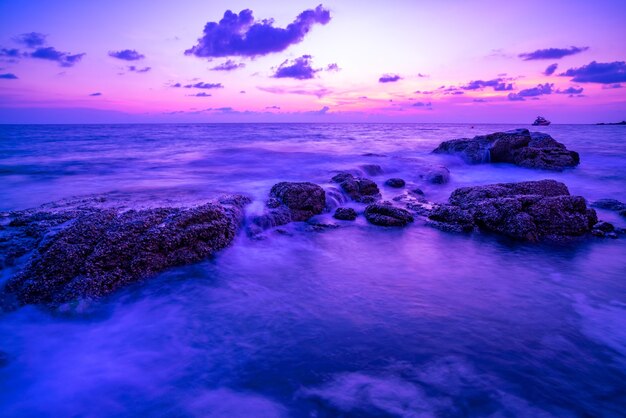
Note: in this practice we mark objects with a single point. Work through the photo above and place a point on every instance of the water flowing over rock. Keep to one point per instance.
(387, 215)
(528, 211)
(519, 147)
(91, 252)
(359, 189)
(304, 200)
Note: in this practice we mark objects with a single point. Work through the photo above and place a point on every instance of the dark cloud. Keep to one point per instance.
(598, 72)
(96, 94)
(8, 76)
(571, 90)
(612, 86)
(422, 104)
(32, 39)
(10, 53)
(273, 107)
(550, 69)
(201, 85)
(201, 94)
(498, 84)
(134, 69)
(229, 65)
(177, 85)
(389, 78)
(65, 59)
(300, 69)
(532, 93)
(127, 55)
(552, 53)
(240, 35)
(333, 67)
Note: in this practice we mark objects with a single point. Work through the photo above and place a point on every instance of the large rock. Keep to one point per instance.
(92, 252)
(304, 200)
(387, 215)
(359, 189)
(529, 211)
(519, 147)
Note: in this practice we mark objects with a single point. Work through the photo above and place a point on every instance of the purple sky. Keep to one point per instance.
(296, 61)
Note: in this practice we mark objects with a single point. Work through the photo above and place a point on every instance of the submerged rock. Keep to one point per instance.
(303, 200)
(528, 211)
(396, 183)
(438, 175)
(519, 147)
(611, 204)
(359, 189)
(345, 214)
(372, 169)
(97, 251)
(387, 215)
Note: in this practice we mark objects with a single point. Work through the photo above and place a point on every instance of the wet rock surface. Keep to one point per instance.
(303, 200)
(383, 214)
(359, 189)
(519, 147)
(612, 205)
(91, 252)
(438, 175)
(345, 214)
(528, 211)
(395, 182)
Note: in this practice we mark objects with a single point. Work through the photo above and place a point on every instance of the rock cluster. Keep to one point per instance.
(93, 252)
(529, 211)
(519, 147)
(359, 189)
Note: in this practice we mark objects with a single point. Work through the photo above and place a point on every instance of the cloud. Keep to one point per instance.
(550, 69)
(8, 76)
(552, 53)
(201, 85)
(300, 69)
(10, 53)
(229, 65)
(65, 59)
(533, 93)
(480, 100)
(132, 68)
(612, 86)
(598, 72)
(333, 67)
(201, 94)
(273, 107)
(498, 84)
(389, 78)
(32, 39)
(571, 90)
(422, 104)
(240, 35)
(318, 92)
(95, 94)
(127, 55)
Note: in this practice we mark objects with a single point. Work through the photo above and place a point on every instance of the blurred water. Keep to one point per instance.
(357, 321)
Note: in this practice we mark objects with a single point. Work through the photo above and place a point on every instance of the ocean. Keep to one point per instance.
(357, 321)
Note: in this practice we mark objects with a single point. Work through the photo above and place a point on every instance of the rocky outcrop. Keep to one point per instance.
(303, 200)
(396, 183)
(345, 214)
(528, 211)
(383, 214)
(359, 189)
(612, 205)
(93, 251)
(519, 147)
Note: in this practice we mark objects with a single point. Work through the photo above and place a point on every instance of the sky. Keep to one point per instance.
(476, 61)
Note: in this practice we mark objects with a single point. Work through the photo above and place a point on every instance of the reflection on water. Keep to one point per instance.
(356, 321)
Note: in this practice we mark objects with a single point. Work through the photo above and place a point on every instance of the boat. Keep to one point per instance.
(541, 121)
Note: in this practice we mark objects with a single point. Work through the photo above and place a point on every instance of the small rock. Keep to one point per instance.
(345, 214)
(395, 183)
(604, 226)
(372, 169)
(304, 200)
(439, 175)
(387, 215)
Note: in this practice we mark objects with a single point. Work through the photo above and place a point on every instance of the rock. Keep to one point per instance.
(438, 175)
(358, 189)
(387, 215)
(372, 169)
(304, 200)
(519, 147)
(604, 229)
(528, 211)
(395, 183)
(611, 204)
(418, 191)
(345, 214)
(100, 250)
